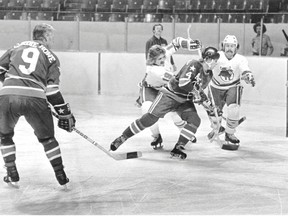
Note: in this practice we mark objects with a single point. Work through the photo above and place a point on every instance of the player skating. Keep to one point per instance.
(31, 71)
(159, 71)
(226, 89)
(178, 96)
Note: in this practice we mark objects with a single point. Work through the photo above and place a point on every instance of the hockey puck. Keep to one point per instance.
(230, 147)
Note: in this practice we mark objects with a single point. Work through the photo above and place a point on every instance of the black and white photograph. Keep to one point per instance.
(144, 107)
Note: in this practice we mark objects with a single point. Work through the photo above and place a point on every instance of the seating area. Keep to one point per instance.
(231, 11)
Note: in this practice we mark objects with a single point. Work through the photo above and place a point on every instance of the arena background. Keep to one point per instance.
(108, 58)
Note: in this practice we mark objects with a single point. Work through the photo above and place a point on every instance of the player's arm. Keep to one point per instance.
(270, 46)
(180, 42)
(66, 119)
(246, 74)
(2, 73)
(186, 43)
(4, 64)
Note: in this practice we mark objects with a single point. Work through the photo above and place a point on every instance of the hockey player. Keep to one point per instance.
(227, 89)
(32, 73)
(178, 96)
(158, 72)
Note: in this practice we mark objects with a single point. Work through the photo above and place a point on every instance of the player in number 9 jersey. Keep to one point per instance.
(30, 74)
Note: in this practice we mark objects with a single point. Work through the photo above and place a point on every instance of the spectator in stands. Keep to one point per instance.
(267, 47)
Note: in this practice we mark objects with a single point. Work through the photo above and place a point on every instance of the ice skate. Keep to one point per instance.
(193, 139)
(232, 142)
(12, 177)
(157, 142)
(117, 142)
(231, 138)
(61, 178)
(177, 151)
(212, 134)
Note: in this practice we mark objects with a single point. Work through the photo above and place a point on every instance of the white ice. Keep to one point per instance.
(211, 181)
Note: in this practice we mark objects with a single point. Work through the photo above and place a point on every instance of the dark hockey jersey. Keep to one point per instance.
(191, 74)
(32, 70)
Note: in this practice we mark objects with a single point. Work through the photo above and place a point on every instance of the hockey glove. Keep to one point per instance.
(66, 120)
(248, 77)
(194, 45)
(190, 44)
(198, 94)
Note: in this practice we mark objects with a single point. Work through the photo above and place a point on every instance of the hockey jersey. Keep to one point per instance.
(191, 74)
(158, 76)
(32, 70)
(227, 73)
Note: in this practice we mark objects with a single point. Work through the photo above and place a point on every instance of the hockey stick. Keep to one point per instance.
(216, 135)
(240, 121)
(120, 156)
(189, 38)
(285, 35)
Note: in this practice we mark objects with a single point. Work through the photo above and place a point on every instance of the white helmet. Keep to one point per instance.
(230, 39)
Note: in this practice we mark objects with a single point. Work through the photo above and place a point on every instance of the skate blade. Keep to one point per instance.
(230, 146)
(158, 147)
(177, 156)
(13, 185)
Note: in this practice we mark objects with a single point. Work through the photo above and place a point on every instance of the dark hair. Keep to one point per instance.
(153, 53)
(157, 25)
(40, 31)
(259, 24)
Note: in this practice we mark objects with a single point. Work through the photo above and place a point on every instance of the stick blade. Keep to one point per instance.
(128, 155)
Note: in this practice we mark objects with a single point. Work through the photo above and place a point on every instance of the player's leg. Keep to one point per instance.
(233, 113)
(188, 113)
(156, 111)
(137, 126)
(180, 123)
(8, 120)
(149, 95)
(38, 115)
(219, 97)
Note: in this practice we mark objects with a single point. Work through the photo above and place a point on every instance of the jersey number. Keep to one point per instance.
(30, 56)
(189, 74)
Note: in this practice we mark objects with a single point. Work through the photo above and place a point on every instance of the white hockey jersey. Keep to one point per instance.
(227, 73)
(158, 76)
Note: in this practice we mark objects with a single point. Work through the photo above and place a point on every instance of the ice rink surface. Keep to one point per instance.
(211, 181)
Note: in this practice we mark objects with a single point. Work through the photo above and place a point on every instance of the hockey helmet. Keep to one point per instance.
(210, 53)
(230, 39)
